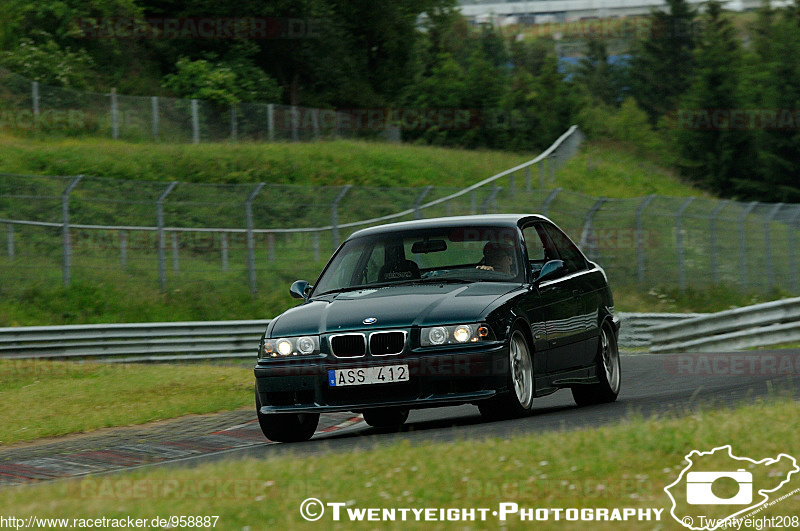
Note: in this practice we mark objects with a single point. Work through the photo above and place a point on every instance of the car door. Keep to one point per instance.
(578, 280)
(556, 302)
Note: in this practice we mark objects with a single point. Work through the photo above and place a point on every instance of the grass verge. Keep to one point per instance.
(46, 398)
(623, 465)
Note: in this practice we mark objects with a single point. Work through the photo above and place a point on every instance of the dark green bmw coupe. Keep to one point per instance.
(491, 310)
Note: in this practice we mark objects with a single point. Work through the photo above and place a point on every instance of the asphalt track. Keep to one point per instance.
(652, 385)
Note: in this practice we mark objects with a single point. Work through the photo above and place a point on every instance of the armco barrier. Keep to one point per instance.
(135, 342)
(758, 325)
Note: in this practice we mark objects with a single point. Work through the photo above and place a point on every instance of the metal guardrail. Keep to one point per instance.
(635, 329)
(758, 325)
(135, 342)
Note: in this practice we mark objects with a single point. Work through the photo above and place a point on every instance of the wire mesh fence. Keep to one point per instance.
(28, 106)
(59, 228)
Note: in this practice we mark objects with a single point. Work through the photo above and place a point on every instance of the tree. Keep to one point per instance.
(713, 154)
(662, 64)
(598, 75)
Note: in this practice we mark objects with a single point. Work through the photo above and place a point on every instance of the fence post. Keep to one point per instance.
(195, 123)
(234, 126)
(418, 201)
(792, 268)
(552, 162)
(768, 243)
(162, 268)
(294, 123)
(640, 237)
(335, 215)
(251, 252)
(271, 121)
(490, 198)
(154, 113)
(587, 224)
(35, 98)
(743, 243)
(712, 235)
(10, 231)
(527, 178)
(316, 246)
(114, 115)
(315, 118)
(175, 266)
(66, 235)
(123, 248)
(549, 199)
(679, 242)
(224, 250)
(542, 173)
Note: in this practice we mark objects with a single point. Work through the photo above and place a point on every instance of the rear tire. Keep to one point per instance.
(608, 372)
(287, 427)
(385, 417)
(518, 400)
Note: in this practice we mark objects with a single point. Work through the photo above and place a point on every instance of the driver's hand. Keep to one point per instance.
(485, 267)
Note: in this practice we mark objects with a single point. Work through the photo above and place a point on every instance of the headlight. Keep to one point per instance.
(454, 334)
(437, 335)
(290, 346)
(284, 347)
(463, 333)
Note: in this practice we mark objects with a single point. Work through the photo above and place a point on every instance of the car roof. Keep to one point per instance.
(484, 220)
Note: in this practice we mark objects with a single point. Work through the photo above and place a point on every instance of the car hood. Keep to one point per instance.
(392, 306)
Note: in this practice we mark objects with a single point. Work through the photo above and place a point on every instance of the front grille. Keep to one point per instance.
(386, 343)
(348, 345)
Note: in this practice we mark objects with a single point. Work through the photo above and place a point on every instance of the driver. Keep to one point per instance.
(497, 257)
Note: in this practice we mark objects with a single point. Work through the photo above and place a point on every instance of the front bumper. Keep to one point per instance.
(436, 378)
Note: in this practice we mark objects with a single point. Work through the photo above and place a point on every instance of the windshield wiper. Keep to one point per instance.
(443, 280)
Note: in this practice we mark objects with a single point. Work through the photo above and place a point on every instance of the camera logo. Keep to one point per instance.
(698, 488)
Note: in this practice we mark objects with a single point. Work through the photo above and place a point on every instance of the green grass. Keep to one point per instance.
(712, 299)
(609, 169)
(617, 170)
(46, 398)
(620, 465)
(316, 163)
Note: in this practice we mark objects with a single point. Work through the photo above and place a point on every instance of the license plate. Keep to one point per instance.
(368, 375)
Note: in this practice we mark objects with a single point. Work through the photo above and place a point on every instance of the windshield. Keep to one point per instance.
(451, 254)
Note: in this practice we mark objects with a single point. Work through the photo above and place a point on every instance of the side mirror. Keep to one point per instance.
(550, 270)
(299, 289)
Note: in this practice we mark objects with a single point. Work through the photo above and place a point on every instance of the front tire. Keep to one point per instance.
(519, 399)
(287, 427)
(385, 417)
(608, 372)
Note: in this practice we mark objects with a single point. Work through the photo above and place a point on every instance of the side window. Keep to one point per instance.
(539, 246)
(572, 257)
(533, 243)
